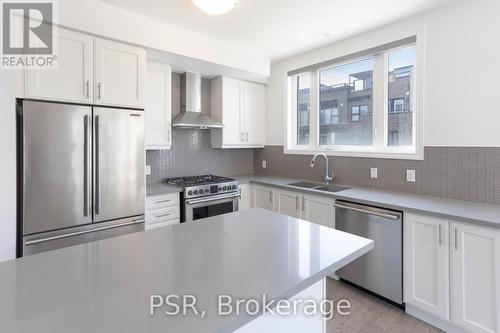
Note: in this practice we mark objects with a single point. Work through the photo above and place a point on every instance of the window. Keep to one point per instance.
(340, 88)
(364, 106)
(303, 105)
(400, 91)
(355, 113)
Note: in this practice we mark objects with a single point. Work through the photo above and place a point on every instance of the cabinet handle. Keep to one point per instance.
(456, 238)
(163, 215)
(303, 204)
(162, 201)
(271, 197)
(297, 203)
(246, 136)
(440, 236)
(99, 90)
(88, 88)
(241, 137)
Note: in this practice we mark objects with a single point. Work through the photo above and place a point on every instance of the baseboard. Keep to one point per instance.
(431, 320)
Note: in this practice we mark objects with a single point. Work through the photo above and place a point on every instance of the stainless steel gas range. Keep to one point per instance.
(207, 195)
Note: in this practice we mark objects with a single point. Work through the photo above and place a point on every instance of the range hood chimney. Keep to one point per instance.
(190, 116)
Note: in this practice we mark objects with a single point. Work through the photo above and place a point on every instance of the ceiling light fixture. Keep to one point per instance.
(216, 7)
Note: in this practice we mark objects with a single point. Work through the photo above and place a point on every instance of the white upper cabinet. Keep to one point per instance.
(254, 114)
(72, 80)
(158, 106)
(90, 70)
(475, 277)
(240, 106)
(427, 264)
(119, 73)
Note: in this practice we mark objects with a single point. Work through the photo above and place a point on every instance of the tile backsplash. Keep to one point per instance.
(462, 173)
(192, 154)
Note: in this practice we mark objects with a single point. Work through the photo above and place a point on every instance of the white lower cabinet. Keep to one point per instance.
(318, 209)
(288, 203)
(427, 264)
(313, 208)
(244, 197)
(475, 277)
(262, 197)
(162, 210)
(452, 273)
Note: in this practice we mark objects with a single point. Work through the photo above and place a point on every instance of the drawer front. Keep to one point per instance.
(162, 215)
(162, 201)
(162, 224)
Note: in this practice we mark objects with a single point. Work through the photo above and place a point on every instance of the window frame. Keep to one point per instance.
(380, 111)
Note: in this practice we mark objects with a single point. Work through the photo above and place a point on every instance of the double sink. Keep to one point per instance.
(319, 187)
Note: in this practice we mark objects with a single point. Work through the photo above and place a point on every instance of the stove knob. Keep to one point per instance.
(219, 188)
(195, 192)
(224, 188)
(207, 190)
(234, 187)
(190, 192)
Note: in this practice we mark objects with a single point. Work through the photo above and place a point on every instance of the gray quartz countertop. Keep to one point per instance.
(154, 189)
(105, 286)
(478, 213)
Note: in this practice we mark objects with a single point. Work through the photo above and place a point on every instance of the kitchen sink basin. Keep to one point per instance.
(319, 187)
(305, 185)
(330, 188)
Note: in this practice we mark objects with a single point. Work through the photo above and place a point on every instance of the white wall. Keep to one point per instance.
(462, 67)
(9, 89)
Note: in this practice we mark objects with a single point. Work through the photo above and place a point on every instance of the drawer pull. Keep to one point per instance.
(163, 215)
(163, 201)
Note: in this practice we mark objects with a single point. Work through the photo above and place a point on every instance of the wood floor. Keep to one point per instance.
(369, 314)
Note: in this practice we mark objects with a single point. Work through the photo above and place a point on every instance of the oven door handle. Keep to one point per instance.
(214, 198)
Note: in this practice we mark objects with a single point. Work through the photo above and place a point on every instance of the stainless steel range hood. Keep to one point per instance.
(190, 116)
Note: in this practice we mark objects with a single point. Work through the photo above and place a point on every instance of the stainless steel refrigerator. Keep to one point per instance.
(80, 174)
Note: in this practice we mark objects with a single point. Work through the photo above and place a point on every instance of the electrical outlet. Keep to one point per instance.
(410, 175)
(373, 173)
(264, 164)
(147, 170)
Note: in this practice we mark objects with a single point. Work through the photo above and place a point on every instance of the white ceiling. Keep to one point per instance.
(281, 28)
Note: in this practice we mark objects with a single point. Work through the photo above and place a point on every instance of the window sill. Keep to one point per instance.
(399, 154)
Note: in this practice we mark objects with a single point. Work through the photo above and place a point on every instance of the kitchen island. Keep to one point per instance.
(121, 284)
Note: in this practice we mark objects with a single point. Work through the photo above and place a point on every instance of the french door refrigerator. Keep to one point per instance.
(81, 174)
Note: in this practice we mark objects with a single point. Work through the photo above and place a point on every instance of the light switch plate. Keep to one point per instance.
(264, 164)
(410, 175)
(373, 173)
(147, 170)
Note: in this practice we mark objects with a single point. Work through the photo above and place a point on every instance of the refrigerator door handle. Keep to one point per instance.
(86, 166)
(97, 185)
(71, 234)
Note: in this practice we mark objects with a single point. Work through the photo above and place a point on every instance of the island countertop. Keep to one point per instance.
(105, 286)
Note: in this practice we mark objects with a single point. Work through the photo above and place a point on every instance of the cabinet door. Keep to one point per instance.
(232, 133)
(475, 277)
(119, 74)
(262, 197)
(158, 106)
(319, 210)
(427, 264)
(245, 197)
(254, 114)
(72, 80)
(288, 203)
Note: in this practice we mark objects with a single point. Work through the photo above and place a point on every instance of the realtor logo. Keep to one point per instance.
(27, 34)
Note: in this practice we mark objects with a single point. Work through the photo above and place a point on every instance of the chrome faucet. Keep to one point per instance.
(328, 179)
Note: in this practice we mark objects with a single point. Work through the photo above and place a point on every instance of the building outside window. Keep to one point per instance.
(349, 112)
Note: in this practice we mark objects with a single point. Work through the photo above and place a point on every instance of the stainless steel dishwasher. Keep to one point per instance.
(380, 270)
